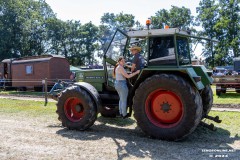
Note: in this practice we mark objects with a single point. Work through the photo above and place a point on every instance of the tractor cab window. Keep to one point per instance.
(141, 42)
(161, 51)
(115, 50)
(117, 46)
(183, 51)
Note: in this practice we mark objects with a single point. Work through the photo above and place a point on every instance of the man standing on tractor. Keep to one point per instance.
(138, 60)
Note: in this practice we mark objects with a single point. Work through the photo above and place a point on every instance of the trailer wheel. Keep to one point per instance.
(76, 108)
(38, 89)
(22, 89)
(237, 90)
(167, 107)
(224, 90)
(207, 99)
(218, 93)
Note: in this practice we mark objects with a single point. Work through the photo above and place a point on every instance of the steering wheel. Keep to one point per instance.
(127, 67)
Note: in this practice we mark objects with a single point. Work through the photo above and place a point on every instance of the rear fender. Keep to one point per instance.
(206, 75)
(198, 76)
(93, 92)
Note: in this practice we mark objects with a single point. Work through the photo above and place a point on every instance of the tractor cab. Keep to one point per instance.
(160, 48)
(164, 47)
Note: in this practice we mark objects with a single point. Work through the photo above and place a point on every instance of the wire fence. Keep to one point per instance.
(36, 86)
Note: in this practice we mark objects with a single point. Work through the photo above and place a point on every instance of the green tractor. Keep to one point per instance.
(168, 99)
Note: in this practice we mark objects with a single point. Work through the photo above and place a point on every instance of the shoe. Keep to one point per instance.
(126, 116)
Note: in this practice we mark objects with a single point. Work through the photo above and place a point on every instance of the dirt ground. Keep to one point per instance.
(43, 138)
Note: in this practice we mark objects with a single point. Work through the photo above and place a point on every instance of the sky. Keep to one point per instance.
(93, 10)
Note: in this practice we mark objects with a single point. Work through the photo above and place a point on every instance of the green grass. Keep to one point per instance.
(22, 93)
(230, 121)
(33, 109)
(227, 98)
(27, 108)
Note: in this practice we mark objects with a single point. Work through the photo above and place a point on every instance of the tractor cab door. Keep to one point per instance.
(116, 48)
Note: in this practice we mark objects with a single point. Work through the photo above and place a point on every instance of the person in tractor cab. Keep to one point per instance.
(138, 60)
(121, 85)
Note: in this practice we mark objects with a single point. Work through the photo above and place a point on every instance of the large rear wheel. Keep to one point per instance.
(76, 109)
(167, 107)
(207, 99)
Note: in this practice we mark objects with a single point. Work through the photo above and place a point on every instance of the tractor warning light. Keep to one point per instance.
(148, 22)
(166, 27)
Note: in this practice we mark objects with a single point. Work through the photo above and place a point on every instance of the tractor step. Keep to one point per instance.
(109, 96)
(110, 105)
(215, 119)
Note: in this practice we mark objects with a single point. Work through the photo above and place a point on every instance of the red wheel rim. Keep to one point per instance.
(164, 108)
(74, 109)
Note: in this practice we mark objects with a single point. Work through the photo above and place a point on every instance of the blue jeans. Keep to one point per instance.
(122, 89)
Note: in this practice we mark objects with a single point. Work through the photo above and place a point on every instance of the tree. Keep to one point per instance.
(221, 21)
(120, 20)
(175, 18)
(22, 28)
(109, 23)
(90, 40)
(229, 26)
(71, 39)
(208, 17)
(29, 27)
(55, 35)
(11, 28)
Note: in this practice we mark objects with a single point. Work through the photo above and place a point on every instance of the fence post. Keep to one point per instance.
(46, 91)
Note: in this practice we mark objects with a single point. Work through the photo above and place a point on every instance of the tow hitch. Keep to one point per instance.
(211, 126)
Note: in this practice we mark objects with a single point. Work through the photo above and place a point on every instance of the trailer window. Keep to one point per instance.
(29, 69)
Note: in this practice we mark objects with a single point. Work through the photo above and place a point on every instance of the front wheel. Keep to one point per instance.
(167, 107)
(76, 108)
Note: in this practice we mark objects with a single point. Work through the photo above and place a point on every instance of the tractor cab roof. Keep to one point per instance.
(156, 32)
(164, 32)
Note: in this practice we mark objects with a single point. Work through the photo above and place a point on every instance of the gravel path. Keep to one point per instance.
(43, 138)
